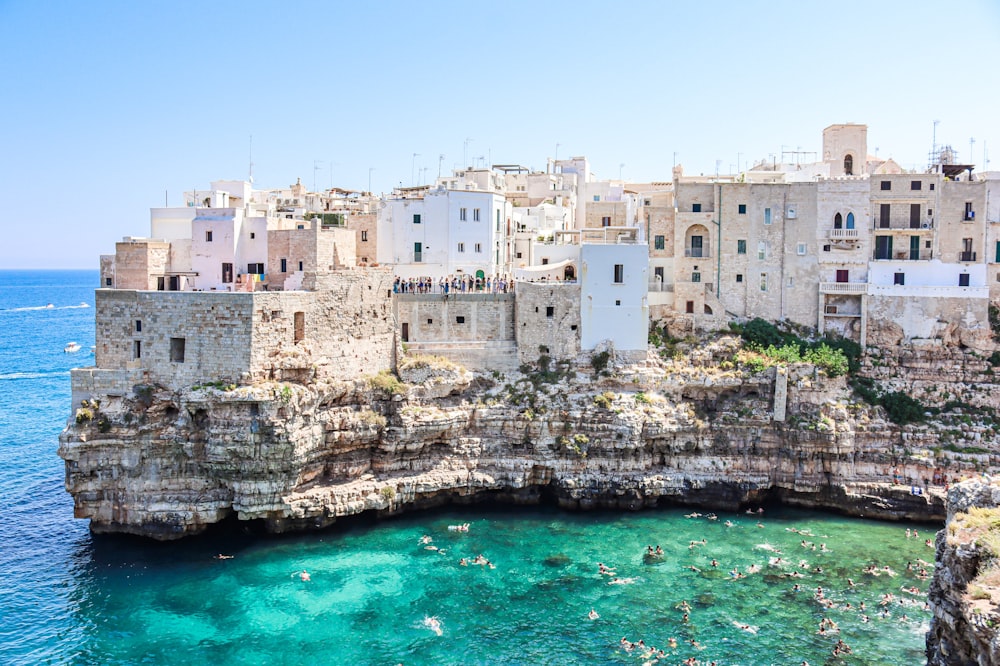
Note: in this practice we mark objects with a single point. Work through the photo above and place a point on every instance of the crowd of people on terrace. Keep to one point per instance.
(492, 284)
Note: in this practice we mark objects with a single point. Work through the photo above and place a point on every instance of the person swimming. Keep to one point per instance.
(304, 576)
(433, 624)
(593, 614)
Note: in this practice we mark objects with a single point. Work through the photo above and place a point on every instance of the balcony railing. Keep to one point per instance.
(843, 234)
(967, 256)
(903, 223)
(843, 287)
(696, 252)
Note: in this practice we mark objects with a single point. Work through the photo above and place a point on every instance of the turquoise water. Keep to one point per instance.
(69, 597)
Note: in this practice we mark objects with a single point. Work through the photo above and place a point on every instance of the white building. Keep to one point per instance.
(443, 231)
(614, 280)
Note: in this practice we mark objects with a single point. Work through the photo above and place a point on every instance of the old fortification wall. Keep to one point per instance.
(547, 321)
(180, 339)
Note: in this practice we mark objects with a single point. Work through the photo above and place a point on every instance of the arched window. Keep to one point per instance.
(850, 220)
(838, 221)
(849, 165)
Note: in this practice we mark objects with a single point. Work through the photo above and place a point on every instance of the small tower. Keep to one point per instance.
(845, 149)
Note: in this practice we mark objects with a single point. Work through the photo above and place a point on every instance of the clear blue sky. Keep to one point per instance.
(108, 105)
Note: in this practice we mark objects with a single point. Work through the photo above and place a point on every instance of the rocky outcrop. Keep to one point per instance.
(690, 430)
(965, 592)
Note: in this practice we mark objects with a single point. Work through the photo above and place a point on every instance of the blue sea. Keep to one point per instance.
(396, 591)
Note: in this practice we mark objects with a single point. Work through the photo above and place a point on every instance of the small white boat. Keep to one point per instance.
(71, 348)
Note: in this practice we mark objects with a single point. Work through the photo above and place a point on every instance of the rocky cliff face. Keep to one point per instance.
(299, 456)
(965, 592)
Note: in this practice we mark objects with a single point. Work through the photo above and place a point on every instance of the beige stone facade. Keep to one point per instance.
(547, 321)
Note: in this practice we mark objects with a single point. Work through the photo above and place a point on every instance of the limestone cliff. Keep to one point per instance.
(692, 429)
(965, 592)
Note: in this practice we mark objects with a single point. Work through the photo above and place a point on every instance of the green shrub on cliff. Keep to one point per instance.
(387, 382)
(834, 355)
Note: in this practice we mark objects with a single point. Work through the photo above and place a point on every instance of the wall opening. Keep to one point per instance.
(177, 350)
(300, 326)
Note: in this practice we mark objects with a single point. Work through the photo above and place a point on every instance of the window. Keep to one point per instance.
(884, 210)
(763, 281)
(550, 311)
(208, 236)
(791, 282)
(696, 277)
(606, 221)
(761, 250)
(364, 236)
(838, 221)
(969, 213)
(479, 247)
(899, 278)
(256, 269)
(227, 273)
(430, 320)
(886, 185)
(416, 218)
(138, 326)
(459, 320)
(767, 216)
(739, 277)
(742, 209)
(619, 273)
(597, 197)
(418, 252)
(883, 247)
(252, 235)
(689, 307)
(618, 302)
(997, 259)
(849, 165)
(963, 280)
(299, 333)
(461, 247)
(463, 214)
(658, 271)
(915, 184)
(850, 220)
(659, 242)
(284, 265)
(741, 246)
(696, 208)
(842, 275)
(136, 349)
(915, 216)
(300, 265)
(177, 350)
(545, 261)
(519, 255)
(800, 249)
(475, 214)
(107, 282)
(826, 248)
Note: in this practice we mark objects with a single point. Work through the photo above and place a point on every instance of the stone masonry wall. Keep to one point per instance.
(456, 317)
(559, 332)
(214, 327)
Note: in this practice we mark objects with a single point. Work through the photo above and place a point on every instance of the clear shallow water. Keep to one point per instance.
(68, 597)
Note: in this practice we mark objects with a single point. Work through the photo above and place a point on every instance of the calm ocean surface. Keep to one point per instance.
(69, 597)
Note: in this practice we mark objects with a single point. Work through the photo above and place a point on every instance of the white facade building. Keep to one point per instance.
(613, 292)
(446, 232)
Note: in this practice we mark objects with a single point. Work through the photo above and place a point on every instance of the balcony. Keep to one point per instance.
(967, 256)
(849, 288)
(697, 252)
(842, 234)
(903, 224)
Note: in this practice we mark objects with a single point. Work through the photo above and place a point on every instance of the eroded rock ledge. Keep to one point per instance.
(299, 456)
(965, 592)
